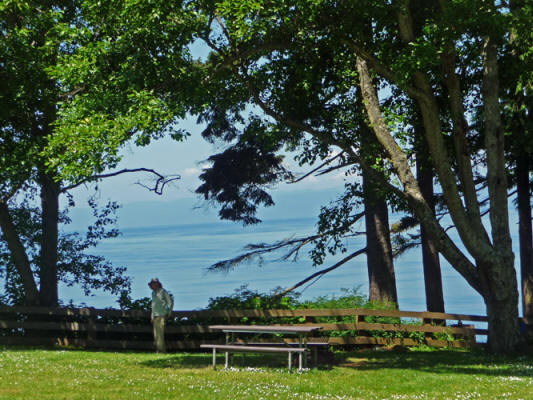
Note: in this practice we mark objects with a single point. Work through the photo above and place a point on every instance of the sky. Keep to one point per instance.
(179, 203)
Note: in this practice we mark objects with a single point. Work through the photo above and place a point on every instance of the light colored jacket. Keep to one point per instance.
(161, 303)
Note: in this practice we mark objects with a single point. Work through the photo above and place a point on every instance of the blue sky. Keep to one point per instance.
(179, 203)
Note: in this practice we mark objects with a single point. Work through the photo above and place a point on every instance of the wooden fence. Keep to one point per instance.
(117, 329)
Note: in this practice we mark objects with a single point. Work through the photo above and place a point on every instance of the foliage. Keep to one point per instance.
(350, 298)
(127, 303)
(75, 265)
(337, 222)
(237, 179)
(73, 83)
(447, 336)
(122, 79)
(245, 299)
(315, 70)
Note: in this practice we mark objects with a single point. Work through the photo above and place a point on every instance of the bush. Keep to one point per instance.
(350, 298)
(246, 299)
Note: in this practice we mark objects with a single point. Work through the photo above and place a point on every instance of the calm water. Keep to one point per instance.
(180, 254)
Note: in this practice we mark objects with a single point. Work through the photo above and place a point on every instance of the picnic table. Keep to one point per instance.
(234, 346)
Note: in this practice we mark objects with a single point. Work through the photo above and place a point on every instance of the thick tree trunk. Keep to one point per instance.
(18, 256)
(50, 219)
(525, 233)
(501, 299)
(381, 277)
(430, 254)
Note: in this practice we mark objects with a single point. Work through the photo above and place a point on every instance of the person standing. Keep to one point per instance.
(162, 304)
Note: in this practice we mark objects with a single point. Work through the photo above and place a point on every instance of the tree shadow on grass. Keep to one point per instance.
(440, 362)
(180, 360)
(205, 360)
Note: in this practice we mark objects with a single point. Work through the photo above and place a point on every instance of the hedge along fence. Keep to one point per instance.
(118, 329)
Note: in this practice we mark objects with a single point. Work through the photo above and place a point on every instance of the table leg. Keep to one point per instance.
(226, 359)
(214, 358)
(302, 342)
(290, 361)
(230, 339)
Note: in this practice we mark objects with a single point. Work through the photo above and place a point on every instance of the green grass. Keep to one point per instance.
(445, 374)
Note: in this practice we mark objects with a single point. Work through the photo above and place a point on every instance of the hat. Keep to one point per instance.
(154, 280)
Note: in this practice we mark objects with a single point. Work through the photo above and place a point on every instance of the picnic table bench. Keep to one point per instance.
(233, 346)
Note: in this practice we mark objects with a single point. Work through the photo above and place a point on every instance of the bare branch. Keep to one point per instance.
(322, 272)
(257, 250)
(317, 168)
(262, 248)
(330, 169)
(157, 188)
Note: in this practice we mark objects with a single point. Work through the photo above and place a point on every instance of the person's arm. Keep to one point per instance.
(152, 310)
(168, 302)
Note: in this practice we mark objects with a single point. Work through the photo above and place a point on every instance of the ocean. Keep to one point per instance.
(179, 256)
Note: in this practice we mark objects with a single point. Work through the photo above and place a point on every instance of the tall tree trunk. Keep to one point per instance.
(525, 233)
(18, 256)
(50, 220)
(381, 277)
(430, 254)
(500, 271)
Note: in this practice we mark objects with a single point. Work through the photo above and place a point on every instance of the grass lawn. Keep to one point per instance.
(416, 374)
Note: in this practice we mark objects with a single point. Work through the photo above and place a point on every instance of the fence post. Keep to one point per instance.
(91, 327)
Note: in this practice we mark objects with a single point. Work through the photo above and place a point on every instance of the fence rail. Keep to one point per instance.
(119, 329)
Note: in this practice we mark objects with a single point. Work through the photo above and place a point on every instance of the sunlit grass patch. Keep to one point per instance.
(444, 374)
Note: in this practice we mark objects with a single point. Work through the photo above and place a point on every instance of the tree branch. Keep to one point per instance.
(317, 168)
(157, 188)
(322, 272)
(471, 230)
(495, 152)
(460, 128)
(380, 69)
(259, 249)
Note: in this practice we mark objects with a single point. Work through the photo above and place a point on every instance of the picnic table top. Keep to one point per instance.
(267, 328)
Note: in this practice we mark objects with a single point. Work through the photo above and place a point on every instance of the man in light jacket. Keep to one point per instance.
(162, 304)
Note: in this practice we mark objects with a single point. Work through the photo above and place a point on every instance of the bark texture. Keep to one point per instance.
(18, 255)
(381, 276)
(430, 253)
(48, 265)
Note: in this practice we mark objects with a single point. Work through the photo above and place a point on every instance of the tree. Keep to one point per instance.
(449, 67)
(36, 38)
(302, 63)
(75, 266)
(238, 181)
(518, 94)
